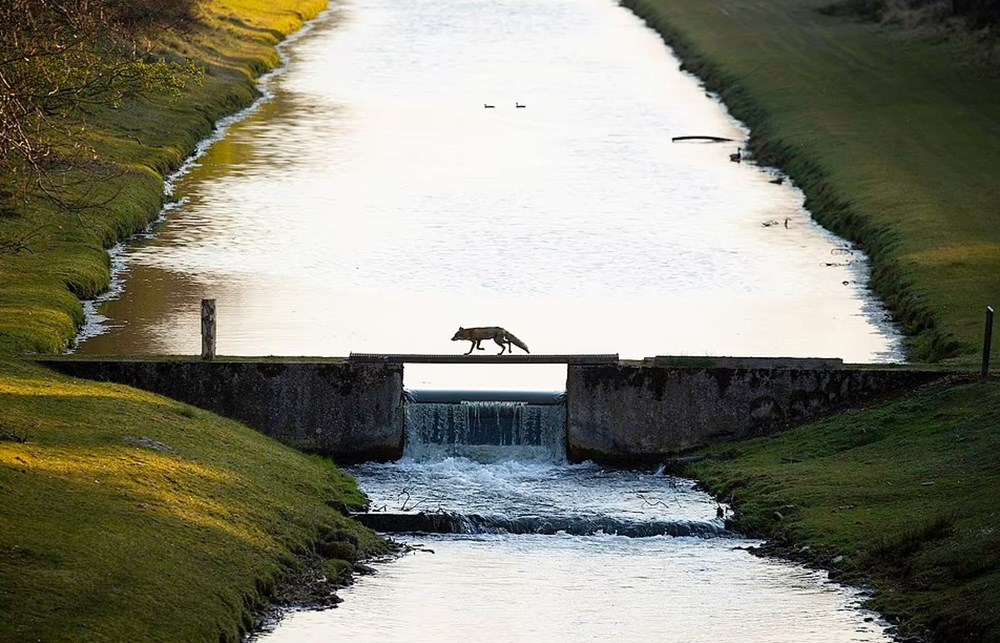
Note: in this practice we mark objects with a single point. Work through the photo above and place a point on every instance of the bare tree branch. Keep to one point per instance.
(60, 62)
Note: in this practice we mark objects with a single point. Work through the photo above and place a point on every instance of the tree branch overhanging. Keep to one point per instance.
(60, 62)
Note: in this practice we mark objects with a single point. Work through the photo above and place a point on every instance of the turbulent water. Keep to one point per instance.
(374, 205)
(549, 551)
(587, 582)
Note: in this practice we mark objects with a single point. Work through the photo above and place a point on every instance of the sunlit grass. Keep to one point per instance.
(136, 145)
(71, 388)
(127, 516)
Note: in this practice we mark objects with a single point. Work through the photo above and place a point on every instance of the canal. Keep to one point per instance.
(374, 204)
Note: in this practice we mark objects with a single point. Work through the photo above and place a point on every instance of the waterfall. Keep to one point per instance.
(486, 426)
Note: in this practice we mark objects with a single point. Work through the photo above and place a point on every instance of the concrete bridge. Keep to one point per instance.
(518, 358)
(616, 411)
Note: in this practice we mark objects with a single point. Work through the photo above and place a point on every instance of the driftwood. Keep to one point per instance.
(713, 139)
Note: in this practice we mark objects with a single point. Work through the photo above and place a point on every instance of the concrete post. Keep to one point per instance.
(207, 329)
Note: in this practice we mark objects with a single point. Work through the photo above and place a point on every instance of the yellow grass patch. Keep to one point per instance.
(116, 502)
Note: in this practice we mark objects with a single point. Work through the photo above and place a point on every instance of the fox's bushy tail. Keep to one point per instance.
(509, 336)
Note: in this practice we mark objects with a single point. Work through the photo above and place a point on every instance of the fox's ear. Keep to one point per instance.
(460, 328)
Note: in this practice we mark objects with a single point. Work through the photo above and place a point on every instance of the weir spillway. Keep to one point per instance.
(485, 425)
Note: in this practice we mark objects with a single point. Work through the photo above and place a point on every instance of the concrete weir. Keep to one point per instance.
(635, 413)
(353, 412)
(615, 412)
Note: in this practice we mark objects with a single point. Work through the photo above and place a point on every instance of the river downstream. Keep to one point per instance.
(583, 555)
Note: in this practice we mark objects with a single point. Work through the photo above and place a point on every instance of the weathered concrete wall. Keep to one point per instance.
(633, 413)
(352, 412)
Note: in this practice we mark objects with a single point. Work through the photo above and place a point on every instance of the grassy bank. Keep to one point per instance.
(127, 516)
(134, 147)
(903, 496)
(892, 138)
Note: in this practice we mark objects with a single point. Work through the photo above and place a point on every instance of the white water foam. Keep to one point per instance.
(511, 489)
(486, 430)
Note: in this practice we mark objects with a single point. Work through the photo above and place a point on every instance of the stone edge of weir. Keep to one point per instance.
(624, 413)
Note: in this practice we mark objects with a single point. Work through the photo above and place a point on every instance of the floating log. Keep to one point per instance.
(712, 139)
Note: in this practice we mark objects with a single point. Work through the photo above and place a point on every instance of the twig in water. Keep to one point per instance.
(403, 507)
(653, 503)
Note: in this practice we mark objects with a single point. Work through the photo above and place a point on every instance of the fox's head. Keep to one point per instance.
(458, 334)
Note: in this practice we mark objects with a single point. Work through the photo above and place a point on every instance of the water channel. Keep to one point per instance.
(374, 204)
(560, 552)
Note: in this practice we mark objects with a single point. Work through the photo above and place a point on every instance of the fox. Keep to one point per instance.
(502, 337)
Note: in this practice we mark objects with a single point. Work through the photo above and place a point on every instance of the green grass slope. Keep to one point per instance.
(130, 517)
(893, 140)
(906, 493)
(134, 148)
(125, 516)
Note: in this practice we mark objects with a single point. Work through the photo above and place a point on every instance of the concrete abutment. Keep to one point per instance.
(351, 412)
(636, 413)
(616, 413)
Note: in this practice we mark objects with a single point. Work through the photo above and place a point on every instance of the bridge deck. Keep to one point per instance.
(408, 358)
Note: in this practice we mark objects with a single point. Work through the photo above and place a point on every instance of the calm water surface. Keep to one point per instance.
(374, 205)
(592, 587)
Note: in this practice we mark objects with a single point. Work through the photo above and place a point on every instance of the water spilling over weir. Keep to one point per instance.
(508, 449)
(523, 541)
(374, 185)
(486, 425)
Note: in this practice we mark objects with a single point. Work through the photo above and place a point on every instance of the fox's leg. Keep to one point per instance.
(478, 347)
(472, 344)
(503, 347)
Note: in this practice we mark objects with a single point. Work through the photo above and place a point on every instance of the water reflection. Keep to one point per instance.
(592, 588)
(559, 587)
(374, 205)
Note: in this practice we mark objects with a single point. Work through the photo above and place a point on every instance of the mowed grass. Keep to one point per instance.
(133, 148)
(131, 517)
(893, 139)
(908, 493)
(126, 516)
